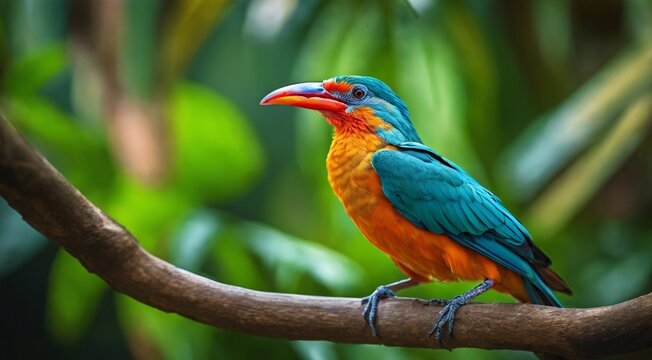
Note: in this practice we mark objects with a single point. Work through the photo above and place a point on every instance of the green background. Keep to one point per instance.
(548, 103)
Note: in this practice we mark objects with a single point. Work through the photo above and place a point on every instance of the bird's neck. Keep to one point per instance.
(363, 122)
(352, 123)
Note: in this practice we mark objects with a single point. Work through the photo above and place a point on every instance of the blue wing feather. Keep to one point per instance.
(437, 195)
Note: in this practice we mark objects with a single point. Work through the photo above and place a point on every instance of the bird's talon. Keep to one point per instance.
(436, 332)
(445, 317)
(370, 311)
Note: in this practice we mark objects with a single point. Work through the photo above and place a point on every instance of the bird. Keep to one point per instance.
(432, 219)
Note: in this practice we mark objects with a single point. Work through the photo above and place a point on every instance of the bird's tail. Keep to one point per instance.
(553, 280)
(540, 290)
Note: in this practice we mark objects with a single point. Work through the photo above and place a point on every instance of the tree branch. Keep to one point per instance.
(54, 207)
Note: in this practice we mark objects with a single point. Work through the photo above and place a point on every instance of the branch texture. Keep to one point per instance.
(55, 208)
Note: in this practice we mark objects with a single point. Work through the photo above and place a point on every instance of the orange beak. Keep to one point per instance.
(309, 95)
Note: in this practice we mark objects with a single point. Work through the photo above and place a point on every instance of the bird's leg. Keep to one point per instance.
(370, 312)
(447, 314)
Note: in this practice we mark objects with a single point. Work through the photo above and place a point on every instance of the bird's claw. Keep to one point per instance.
(446, 317)
(447, 314)
(370, 311)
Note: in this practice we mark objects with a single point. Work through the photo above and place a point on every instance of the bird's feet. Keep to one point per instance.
(370, 312)
(447, 314)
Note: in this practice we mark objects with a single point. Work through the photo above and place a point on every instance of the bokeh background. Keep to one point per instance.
(151, 109)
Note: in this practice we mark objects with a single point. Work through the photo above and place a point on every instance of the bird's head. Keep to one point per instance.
(353, 105)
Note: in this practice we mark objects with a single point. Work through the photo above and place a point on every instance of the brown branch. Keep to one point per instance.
(54, 207)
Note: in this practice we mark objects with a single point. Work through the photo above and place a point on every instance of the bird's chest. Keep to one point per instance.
(351, 174)
(358, 186)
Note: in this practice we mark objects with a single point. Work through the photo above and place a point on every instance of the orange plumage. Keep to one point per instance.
(421, 254)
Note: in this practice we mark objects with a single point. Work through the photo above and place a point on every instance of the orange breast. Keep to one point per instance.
(419, 253)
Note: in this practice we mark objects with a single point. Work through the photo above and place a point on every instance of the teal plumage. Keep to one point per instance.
(435, 194)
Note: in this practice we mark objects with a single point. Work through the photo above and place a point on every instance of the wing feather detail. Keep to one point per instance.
(435, 194)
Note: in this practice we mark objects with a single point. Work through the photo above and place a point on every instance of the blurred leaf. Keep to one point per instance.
(356, 51)
(553, 140)
(3, 44)
(87, 91)
(639, 13)
(50, 125)
(18, 241)
(73, 298)
(154, 334)
(619, 280)
(217, 155)
(291, 257)
(315, 350)
(33, 24)
(478, 69)
(266, 18)
(569, 192)
(234, 262)
(432, 86)
(552, 19)
(81, 155)
(376, 352)
(193, 238)
(138, 46)
(322, 43)
(28, 74)
(151, 214)
(189, 23)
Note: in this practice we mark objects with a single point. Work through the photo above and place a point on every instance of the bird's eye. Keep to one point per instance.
(358, 93)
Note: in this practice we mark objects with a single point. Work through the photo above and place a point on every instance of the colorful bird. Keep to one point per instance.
(422, 210)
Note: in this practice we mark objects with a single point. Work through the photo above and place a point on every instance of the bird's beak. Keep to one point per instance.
(309, 95)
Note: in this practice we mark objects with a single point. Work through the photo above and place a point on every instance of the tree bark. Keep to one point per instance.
(55, 208)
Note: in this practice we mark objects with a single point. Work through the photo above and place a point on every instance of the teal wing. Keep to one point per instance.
(437, 195)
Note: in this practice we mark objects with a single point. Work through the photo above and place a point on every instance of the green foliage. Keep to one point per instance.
(578, 122)
(78, 152)
(73, 298)
(207, 127)
(289, 257)
(151, 214)
(138, 44)
(529, 97)
(191, 243)
(580, 182)
(29, 73)
(155, 333)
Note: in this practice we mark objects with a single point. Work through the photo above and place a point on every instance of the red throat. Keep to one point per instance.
(357, 121)
(345, 124)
